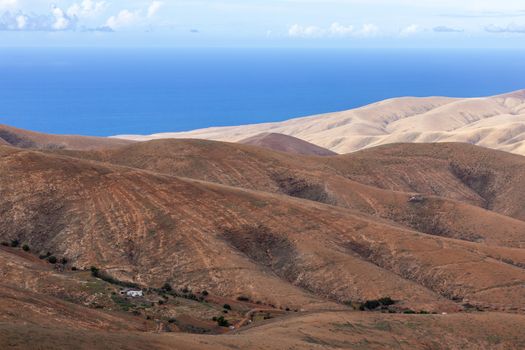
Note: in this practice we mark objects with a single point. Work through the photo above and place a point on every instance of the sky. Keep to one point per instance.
(263, 23)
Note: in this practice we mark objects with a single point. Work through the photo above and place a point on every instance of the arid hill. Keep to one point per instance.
(332, 251)
(458, 181)
(30, 139)
(285, 143)
(496, 122)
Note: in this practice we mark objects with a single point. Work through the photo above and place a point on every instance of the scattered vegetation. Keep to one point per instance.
(167, 287)
(45, 256)
(222, 322)
(123, 303)
(25, 248)
(15, 243)
(95, 272)
(371, 305)
(52, 259)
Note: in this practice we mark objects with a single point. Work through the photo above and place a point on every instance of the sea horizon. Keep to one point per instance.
(122, 91)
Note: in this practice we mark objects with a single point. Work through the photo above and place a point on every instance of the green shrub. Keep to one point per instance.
(25, 247)
(167, 287)
(227, 306)
(15, 243)
(205, 293)
(410, 312)
(63, 261)
(52, 259)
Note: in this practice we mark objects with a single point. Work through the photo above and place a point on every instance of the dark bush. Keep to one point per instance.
(410, 312)
(63, 261)
(5, 244)
(227, 306)
(45, 256)
(95, 272)
(15, 243)
(167, 287)
(386, 301)
(25, 248)
(243, 298)
(172, 320)
(222, 322)
(205, 293)
(374, 304)
(74, 268)
(161, 302)
(52, 260)
(371, 304)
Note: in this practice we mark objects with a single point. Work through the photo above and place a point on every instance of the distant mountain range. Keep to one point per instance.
(496, 122)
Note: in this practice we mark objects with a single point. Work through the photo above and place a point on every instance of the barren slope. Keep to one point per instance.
(315, 331)
(29, 139)
(495, 122)
(285, 143)
(456, 179)
(151, 228)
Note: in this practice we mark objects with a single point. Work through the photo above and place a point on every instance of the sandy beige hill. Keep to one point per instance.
(30, 139)
(496, 122)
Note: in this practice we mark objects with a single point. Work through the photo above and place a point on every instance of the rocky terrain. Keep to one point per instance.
(412, 246)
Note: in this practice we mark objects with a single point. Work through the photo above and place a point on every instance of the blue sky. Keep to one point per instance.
(289, 23)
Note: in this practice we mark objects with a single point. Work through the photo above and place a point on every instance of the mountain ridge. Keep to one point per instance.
(486, 121)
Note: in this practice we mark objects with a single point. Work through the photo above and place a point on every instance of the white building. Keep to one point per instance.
(134, 293)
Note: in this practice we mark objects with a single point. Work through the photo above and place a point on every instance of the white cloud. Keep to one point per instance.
(368, 30)
(154, 7)
(341, 30)
(21, 22)
(61, 20)
(8, 4)
(298, 31)
(124, 18)
(335, 30)
(445, 29)
(511, 28)
(410, 30)
(86, 8)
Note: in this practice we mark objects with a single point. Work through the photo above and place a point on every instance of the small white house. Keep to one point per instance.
(134, 293)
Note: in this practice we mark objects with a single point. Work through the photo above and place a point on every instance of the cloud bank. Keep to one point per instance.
(336, 30)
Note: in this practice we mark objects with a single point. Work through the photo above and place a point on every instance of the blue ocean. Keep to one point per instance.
(142, 91)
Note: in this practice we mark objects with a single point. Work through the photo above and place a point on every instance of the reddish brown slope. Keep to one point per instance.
(29, 139)
(286, 143)
(153, 228)
(361, 181)
(484, 331)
